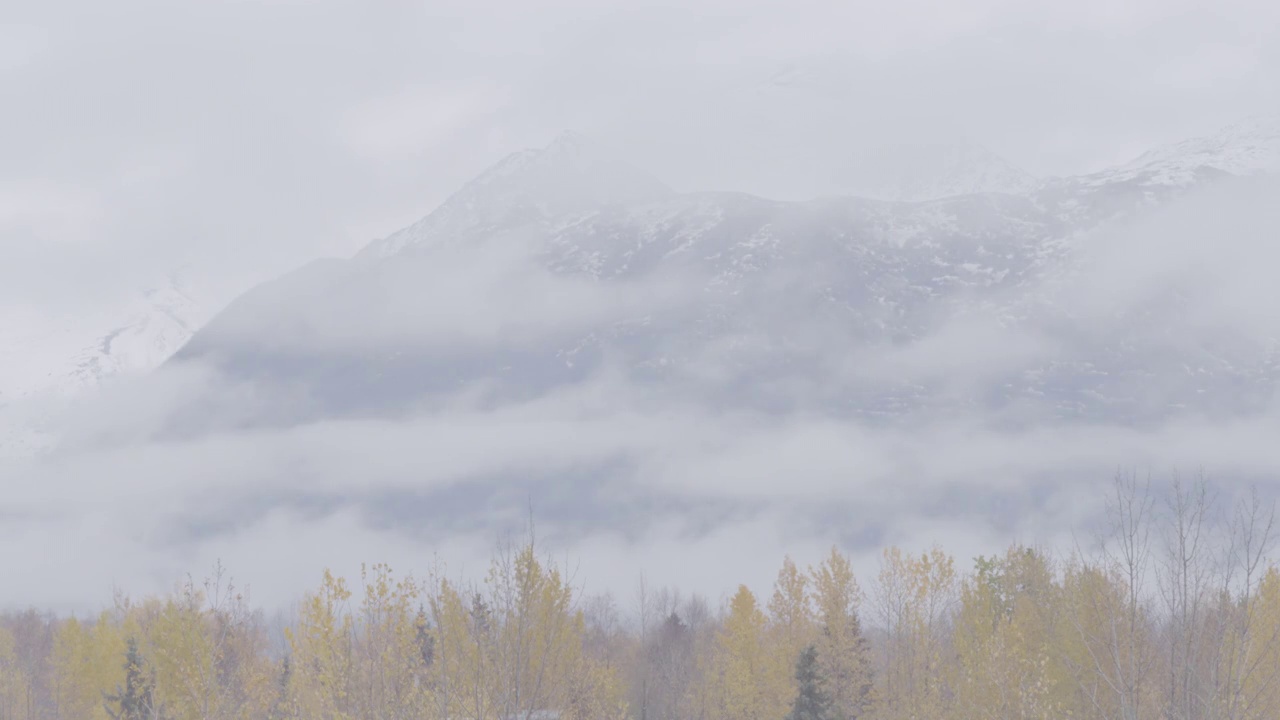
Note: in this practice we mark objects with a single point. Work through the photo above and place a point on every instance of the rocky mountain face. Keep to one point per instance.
(561, 264)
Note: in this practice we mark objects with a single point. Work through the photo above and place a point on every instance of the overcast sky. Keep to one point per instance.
(247, 137)
(244, 138)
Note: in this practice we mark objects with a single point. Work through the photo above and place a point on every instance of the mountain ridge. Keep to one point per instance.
(1248, 147)
(768, 283)
(909, 256)
(568, 174)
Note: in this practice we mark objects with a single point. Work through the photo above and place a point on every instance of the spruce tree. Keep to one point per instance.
(134, 700)
(812, 701)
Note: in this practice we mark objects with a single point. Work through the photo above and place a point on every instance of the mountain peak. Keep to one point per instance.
(570, 152)
(1248, 147)
(571, 174)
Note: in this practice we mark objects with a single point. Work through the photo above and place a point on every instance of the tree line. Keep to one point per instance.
(1171, 613)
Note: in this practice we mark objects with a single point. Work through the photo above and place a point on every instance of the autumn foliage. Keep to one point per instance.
(1172, 614)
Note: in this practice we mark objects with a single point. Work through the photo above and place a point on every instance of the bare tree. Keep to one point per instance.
(1185, 581)
(1109, 610)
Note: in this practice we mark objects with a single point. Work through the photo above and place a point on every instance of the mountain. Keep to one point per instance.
(561, 264)
(160, 322)
(628, 355)
(1249, 147)
(45, 362)
(69, 353)
(934, 171)
(568, 176)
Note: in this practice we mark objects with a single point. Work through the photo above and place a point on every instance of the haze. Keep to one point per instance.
(667, 384)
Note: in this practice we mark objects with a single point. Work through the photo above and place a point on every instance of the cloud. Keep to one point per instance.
(289, 131)
(248, 138)
(1202, 263)
(414, 120)
(625, 474)
(619, 479)
(458, 300)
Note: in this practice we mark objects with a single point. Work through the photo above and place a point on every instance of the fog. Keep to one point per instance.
(251, 137)
(626, 476)
(243, 141)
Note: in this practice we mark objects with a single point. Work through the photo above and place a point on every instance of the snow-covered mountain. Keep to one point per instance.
(567, 329)
(934, 171)
(563, 261)
(570, 175)
(65, 354)
(559, 263)
(47, 361)
(1249, 147)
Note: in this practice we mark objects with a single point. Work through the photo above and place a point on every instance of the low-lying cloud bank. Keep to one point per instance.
(624, 484)
(631, 474)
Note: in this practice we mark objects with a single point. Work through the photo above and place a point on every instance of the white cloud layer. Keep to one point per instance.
(246, 138)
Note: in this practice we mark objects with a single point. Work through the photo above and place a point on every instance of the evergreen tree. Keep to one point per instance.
(812, 701)
(134, 701)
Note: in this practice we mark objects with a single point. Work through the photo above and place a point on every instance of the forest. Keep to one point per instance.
(1170, 610)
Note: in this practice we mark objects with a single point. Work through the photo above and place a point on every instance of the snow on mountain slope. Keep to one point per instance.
(47, 361)
(777, 302)
(775, 293)
(158, 325)
(931, 172)
(571, 174)
(67, 353)
(1249, 147)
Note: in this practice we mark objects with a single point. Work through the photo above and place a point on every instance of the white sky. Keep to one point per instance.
(246, 137)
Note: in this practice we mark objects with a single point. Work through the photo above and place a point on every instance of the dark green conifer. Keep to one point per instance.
(812, 701)
(134, 700)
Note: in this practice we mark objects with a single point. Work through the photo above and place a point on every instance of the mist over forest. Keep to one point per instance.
(660, 361)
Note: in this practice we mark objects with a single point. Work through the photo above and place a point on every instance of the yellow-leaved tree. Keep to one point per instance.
(209, 654)
(538, 645)
(1255, 692)
(460, 670)
(86, 664)
(843, 654)
(12, 677)
(1106, 645)
(914, 597)
(1110, 645)
(514, 649)
(392, 651)
(595, 692)
(791, 626)
(744, 681)
(320, 683)
(1006, 666)
(1248, 670)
